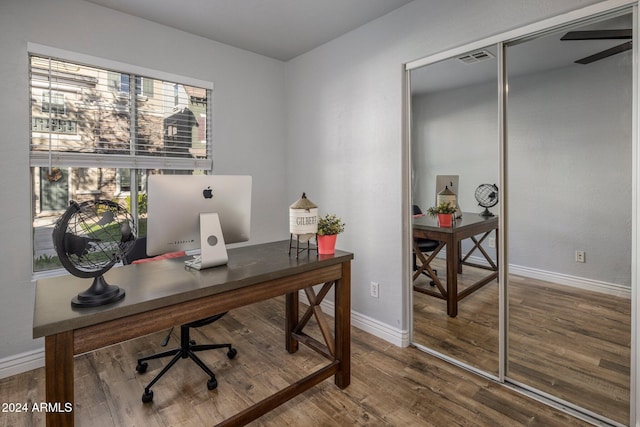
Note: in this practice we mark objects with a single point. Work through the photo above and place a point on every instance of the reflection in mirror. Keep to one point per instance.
(569, 199)
(454, 133)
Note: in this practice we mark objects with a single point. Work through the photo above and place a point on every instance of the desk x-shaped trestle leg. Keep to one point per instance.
(314, 309)
(426, 266)
(336, 347)
(451, 294)
(477, 244)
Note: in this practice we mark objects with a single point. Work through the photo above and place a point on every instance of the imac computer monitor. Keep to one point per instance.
(189, 212)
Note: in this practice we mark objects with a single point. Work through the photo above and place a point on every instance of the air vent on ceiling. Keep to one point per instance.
(477, 56)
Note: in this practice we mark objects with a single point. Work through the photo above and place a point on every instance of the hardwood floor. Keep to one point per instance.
(390, 386)
(472, 336)
(579, 349)
(571, 343)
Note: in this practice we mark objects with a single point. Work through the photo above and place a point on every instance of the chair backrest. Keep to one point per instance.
(139, 251)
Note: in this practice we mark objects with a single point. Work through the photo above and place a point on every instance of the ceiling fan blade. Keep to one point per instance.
(598, 35)
(605, 53)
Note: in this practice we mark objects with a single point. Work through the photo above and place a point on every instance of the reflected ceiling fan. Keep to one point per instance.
(601, 35)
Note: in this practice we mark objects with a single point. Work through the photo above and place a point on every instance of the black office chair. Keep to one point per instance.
(424, 245)
(187, 348)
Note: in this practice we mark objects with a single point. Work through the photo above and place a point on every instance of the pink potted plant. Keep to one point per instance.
(444, 211)
(329, 226)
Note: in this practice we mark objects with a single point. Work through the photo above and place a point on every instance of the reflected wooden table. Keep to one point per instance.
(469, 226)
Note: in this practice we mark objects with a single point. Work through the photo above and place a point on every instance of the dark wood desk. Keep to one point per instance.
(467, 227)
(165, 293)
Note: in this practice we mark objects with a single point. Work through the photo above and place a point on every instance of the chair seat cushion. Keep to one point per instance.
(427, 245)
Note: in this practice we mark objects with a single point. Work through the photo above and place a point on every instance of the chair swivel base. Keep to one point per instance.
(186, 350)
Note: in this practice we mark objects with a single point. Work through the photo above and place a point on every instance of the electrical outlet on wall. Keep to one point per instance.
(492, 242)
(580, 256)
(375, 288)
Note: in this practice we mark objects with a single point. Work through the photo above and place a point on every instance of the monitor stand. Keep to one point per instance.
(213, 251)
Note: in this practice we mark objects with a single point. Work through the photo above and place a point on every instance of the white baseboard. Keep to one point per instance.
(574, 281)
(381, 330)
(22, 362)
(565, 279)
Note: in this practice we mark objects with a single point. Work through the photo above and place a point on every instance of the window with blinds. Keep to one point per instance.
(98, 133)
(80, 114)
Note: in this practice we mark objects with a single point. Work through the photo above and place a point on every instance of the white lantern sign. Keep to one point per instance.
(303, 218)
(303, 223)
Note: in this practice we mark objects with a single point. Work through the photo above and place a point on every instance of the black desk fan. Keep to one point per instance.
(487, 197)
(89, 238)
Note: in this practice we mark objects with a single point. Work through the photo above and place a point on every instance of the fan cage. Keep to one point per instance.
(96, 236)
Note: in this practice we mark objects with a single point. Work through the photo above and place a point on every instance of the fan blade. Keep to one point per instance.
(605, 53)
(77, 245)
(126, 234)
(598, 35)
(107, 218)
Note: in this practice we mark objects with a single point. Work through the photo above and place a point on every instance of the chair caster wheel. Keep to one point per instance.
(232, 353)
(212, 384)
(142, 367)
(147, 396)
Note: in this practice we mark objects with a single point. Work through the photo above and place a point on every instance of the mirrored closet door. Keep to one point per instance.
(545, 116)
(569, 139)
(455, 147)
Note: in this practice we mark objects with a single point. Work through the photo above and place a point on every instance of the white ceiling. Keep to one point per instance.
(281, 29)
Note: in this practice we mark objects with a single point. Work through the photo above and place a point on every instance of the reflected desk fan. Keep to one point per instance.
(487, 197)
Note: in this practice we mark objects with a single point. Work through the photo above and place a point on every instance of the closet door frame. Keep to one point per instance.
(501, 40)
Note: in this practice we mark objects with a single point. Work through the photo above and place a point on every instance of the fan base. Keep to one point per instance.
(486, 213)
(100, 293)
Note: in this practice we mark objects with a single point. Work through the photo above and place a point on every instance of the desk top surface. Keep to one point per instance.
(469, 219)
(166, 282)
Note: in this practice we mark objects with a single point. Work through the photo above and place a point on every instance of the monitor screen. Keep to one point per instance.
(175, 204)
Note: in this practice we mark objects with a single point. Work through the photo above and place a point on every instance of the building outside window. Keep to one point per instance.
(53, 102)
(98, 132)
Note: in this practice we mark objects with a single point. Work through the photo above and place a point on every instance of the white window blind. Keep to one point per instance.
(90, 116)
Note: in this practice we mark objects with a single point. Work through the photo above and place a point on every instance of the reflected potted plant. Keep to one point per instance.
(329, 226)
(444, 211)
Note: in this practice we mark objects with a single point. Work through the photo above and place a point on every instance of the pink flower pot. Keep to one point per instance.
(445, 220)
(327, 244)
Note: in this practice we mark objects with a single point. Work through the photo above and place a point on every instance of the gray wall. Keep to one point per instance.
(248, 123)
(455, 132)
(570, 161)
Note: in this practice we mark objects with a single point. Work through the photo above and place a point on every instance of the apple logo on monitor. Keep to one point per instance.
(207, 193)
